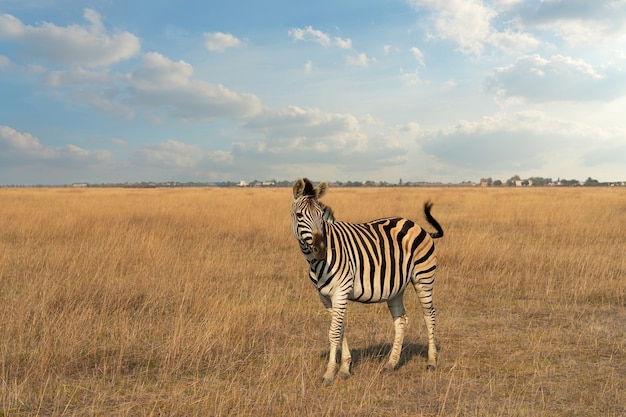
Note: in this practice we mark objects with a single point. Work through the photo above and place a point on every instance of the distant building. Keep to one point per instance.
(523, 183)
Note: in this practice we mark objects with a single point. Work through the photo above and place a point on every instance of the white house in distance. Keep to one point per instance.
(256, 183)
(523, 183)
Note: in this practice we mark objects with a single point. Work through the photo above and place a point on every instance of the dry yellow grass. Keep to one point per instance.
(196, 303)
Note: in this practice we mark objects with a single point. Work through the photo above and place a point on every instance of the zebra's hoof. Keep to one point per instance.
(389, 367)
(327, 381)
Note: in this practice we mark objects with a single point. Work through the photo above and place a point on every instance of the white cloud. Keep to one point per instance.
(162, 87)
(558, 78)
(297, 122)
(343, 43)
(506, 4)
(107, 105)
(308, 34)
(578, 22)
(220, 157)
(89, 46)
(466, 22)
(98, 88)
(513, 42)
(283, 142)
(524, 142)
(471, 25)
(418, 55)
(24, 144)
(412, 78)
(23, 149)
(162, 84)
(219, 42)
(169, 154)
(359, 60)
(77, 75)
(158, 72)
(311, 136)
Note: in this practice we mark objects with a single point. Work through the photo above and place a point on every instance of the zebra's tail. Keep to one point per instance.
(432, 221)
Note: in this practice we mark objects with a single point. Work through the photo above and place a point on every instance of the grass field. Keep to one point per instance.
(196, 302)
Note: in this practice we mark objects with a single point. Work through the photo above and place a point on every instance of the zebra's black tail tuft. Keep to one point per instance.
(427, 206)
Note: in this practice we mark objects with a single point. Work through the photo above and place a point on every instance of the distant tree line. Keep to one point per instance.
(514, 181)
(517, 181)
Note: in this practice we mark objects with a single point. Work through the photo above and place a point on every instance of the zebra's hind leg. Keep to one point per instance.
(400, 322)
(424, 289)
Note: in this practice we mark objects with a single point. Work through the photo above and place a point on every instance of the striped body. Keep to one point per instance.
(377, 260)
(369, 263)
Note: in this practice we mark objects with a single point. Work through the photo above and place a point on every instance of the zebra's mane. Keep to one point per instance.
(327, 213)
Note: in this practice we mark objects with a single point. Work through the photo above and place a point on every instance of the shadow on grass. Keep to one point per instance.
(381, 351)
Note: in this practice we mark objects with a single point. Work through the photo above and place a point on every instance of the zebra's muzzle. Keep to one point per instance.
(319, 246)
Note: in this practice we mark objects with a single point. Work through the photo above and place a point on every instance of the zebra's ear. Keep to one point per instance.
(298, 188)
(321, 189)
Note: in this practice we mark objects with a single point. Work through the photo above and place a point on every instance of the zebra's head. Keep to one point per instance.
(308, 215)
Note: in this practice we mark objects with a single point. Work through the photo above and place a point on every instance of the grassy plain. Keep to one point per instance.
(196, 302)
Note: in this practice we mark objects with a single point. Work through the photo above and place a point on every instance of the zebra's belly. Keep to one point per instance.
(377, 290)
(370, 285)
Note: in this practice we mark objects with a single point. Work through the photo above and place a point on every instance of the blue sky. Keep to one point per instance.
(423, 90)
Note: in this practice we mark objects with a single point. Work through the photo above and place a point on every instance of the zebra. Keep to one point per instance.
(369, 262)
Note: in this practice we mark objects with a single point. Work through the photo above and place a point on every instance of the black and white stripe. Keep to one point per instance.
(367, 262)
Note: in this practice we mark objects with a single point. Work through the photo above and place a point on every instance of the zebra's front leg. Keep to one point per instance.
(400, 322)
(335, 335)
(346, 357)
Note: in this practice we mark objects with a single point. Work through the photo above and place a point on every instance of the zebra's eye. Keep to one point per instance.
(299, 215)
